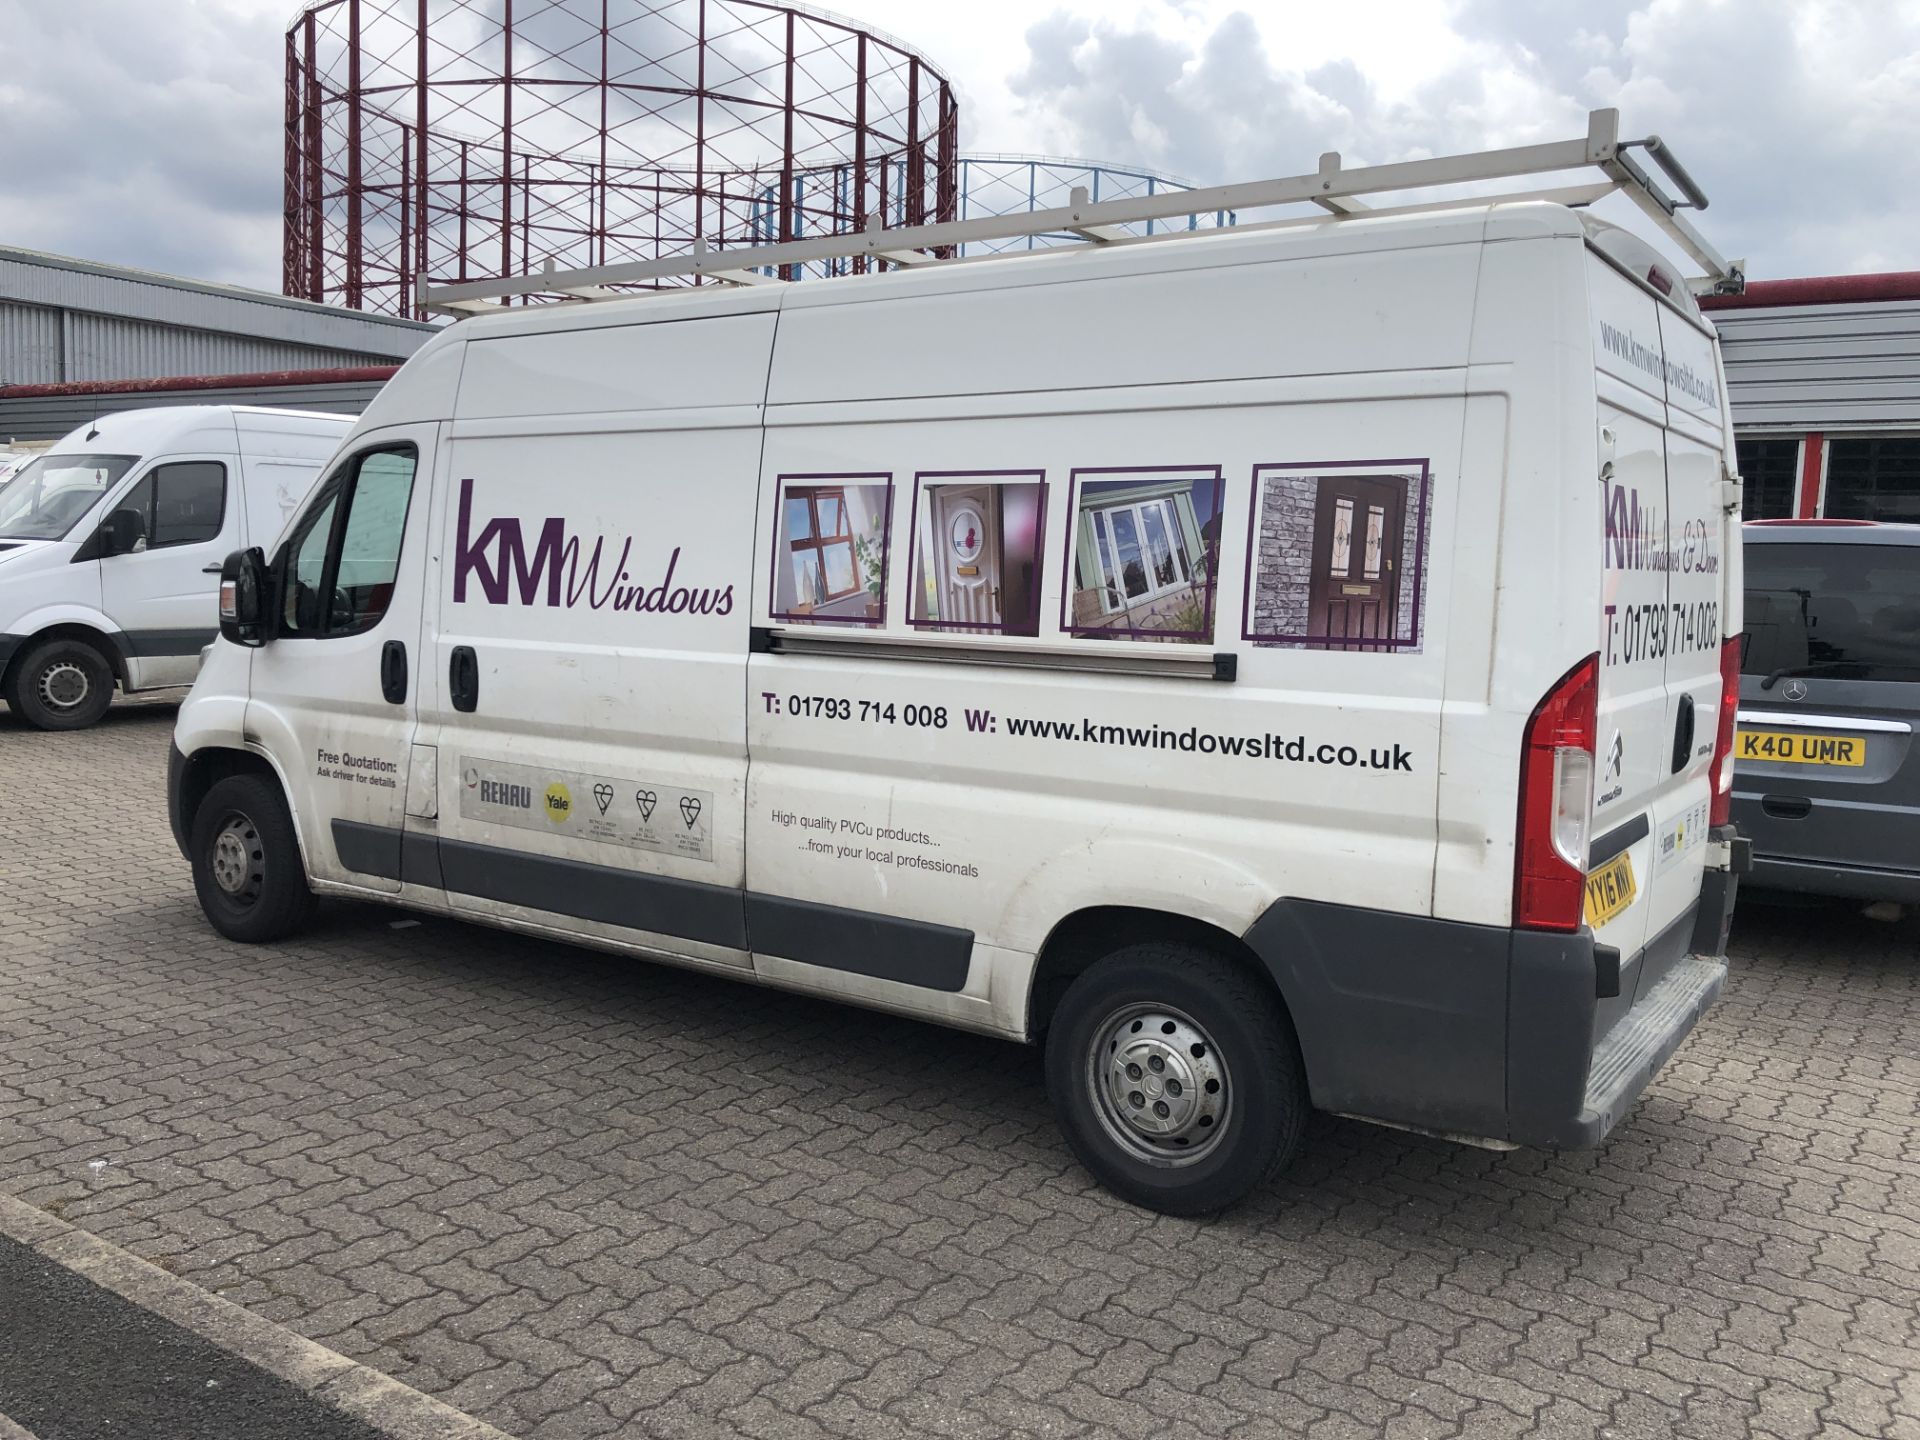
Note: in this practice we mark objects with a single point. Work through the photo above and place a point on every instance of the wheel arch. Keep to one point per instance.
(199, 772)
(100, 639)
(1085, 936)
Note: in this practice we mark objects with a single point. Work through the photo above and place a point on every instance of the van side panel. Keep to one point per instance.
(590, 634)
(1040, 789)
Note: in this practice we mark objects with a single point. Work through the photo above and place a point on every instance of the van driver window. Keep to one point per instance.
(301, 612)
(183, 504)
(340, 569)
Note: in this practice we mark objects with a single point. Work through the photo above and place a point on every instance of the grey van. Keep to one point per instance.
(1827, 778)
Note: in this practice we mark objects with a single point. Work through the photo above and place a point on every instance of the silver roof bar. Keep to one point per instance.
(1331, 188)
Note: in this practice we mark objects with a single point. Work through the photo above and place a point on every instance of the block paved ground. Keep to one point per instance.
(579, 1196)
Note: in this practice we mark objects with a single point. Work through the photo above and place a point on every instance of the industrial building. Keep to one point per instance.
(78, 339)
(1824, 376)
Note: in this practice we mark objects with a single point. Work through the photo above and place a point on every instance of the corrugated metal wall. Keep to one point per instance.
(106, 347)
(29, 344)
(50, 418)
(68, 320)
(1832, 368)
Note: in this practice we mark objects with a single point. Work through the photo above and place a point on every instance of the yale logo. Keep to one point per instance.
(559, 803)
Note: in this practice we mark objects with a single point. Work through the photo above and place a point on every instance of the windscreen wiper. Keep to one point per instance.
(1811, 669)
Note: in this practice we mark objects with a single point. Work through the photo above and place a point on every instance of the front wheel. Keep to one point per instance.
(246, 861)
(61, 684)
(1175, 1077)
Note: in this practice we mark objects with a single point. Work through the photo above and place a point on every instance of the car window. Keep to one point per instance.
(179, 504)
(370, 543)
(343, 557)
(189, 504)
(302, 613)
(1846, 612)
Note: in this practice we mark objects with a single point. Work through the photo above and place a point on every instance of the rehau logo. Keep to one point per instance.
(559, 572)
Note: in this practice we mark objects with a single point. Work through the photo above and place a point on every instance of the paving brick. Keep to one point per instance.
(582, 1196)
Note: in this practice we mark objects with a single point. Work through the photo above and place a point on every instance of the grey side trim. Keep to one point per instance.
(1399, 1017)
(912, 952)
(1616, 840)
(420, 860)
(368, 849)
(1852, 882)
(688, 909)
(153, 643)
(9, 646)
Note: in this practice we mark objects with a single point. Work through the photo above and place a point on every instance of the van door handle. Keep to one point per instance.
(1683, 735)
(213, 569)
(463, 679)
(393, 672)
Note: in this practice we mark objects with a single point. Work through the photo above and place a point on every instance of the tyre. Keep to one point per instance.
(1176, 1078)
(246, 861)
(61, 684)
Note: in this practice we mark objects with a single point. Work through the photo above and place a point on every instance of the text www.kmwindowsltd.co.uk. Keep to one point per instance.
(1288, 749)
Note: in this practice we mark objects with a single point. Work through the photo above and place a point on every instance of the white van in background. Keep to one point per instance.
(1284, 668)
(111, 543)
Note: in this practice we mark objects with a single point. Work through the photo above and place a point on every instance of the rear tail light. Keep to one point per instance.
(1556, 802)
(1721, 810)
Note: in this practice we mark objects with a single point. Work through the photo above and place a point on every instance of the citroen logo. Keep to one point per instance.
(1794, 690)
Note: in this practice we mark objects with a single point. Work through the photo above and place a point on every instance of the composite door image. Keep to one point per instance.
(1355, 589)
(966, 537)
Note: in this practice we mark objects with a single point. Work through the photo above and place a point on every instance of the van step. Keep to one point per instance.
(1625, 1060)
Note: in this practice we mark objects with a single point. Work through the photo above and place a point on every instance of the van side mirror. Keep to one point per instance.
(124, 529)
(244, 610)
(115, 535)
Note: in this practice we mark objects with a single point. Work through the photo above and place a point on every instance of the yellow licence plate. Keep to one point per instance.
(1799, 747)
(1610, 889)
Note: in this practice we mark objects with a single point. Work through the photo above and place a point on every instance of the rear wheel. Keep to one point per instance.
(246, 861)
(1175, 1077)
(61, 684)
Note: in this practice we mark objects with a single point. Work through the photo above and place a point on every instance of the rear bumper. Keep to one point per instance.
(1484, 1031)
(1854, 882)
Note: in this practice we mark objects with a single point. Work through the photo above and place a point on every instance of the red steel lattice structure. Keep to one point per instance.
(445, 140)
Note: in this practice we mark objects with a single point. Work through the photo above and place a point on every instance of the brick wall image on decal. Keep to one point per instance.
(1338, 555)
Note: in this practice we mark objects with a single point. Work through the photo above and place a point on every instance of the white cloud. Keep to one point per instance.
(148, 131)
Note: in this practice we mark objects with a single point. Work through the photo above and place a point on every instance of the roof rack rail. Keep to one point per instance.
(1334, 190)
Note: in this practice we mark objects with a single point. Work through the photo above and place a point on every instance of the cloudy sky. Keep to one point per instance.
(147, 132)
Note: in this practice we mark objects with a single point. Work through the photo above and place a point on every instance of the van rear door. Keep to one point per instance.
(1632, 761)
(1698, 539)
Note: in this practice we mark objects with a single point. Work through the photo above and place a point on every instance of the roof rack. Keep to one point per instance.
(1334, 190)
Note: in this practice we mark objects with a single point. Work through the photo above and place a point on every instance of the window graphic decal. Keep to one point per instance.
(1337, 555)
(830, 543)
(977, 537)
(1142, 553)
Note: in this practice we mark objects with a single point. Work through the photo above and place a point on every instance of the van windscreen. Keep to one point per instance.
(1847, 612)
(49, 497)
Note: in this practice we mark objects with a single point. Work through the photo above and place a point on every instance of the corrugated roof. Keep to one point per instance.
(58, 282)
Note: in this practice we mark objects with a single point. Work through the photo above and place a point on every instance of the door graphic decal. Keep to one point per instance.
(976, 540)
(1354, 589)
(1338, 555)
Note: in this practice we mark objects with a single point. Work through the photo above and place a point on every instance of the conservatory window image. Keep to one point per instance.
(830, 549)
(1143, 550)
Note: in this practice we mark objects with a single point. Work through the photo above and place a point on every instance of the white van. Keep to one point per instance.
(1283, 668)
(111, 543)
